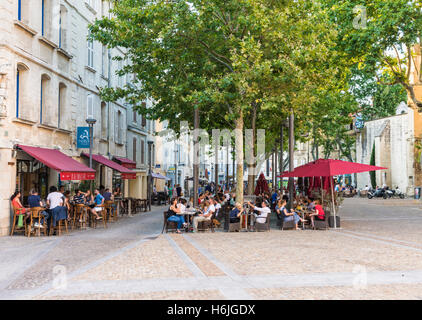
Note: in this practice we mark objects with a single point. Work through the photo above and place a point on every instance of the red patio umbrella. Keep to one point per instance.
(329, 168)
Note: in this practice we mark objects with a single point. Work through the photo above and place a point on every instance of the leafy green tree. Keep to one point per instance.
(223, 57)
(380, 37)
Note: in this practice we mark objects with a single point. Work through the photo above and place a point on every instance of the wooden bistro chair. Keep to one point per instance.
(168, 225)
(36, 216)
(110, 212)
(103, 213)
(58, 227)
(16, 213)
(79, 216)
(207, 224)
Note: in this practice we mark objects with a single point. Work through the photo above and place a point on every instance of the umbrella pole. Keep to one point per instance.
(334, 207)
(322, 192)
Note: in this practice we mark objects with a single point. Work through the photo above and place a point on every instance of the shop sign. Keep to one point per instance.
(82, 138)
(128, 175)
(65, 176)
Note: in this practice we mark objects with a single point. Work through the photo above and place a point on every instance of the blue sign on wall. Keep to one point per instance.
(82, 138)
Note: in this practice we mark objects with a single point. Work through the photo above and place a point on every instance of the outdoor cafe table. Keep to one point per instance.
(246, 218)
(188, 214)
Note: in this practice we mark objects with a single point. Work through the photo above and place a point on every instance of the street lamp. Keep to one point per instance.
(150, 143)
(91, 123)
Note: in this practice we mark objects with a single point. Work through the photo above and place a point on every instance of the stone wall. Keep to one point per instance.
(394, 144)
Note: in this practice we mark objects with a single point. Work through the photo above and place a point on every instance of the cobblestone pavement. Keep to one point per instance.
(377, 254)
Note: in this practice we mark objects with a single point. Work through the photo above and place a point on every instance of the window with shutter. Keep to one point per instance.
(142, 152)
(134, 150)
(90, 107)
(116, 126)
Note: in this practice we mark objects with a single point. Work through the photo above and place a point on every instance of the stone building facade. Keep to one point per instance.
(50, 76)
(393, 139)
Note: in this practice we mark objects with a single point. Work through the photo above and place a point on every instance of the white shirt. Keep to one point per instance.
(262, 218)
(55, 199)
(211, 209)
(227, 195)
(182, 208)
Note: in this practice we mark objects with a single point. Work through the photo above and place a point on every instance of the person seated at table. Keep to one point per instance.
(55, 202)
(99, 201)
(79, 197)
(16, 203)
(34, 201)
(89, 200)
(67, 202)
(277, 209)
(217, 204)
(311, 205)
(264, 211)
(108, 196)
(236, 213)
(201, 198)
(290, 215)
(206, 215)
(319, 213)
(175, 215)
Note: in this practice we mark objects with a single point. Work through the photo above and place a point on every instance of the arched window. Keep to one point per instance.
(62, 107)
(104, 122)
(134, 151)
(44, 99)
(21, 82)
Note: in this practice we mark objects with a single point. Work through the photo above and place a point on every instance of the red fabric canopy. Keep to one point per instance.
(261, 185)
(127, 163)
(329, 168)
(126, 173)
(69, 168)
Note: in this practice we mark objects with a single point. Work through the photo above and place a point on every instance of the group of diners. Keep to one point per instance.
(208, 208)
(311, 209)
(58, 203)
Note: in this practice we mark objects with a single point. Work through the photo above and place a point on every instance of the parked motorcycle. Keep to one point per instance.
(377, 193)
(396, 193)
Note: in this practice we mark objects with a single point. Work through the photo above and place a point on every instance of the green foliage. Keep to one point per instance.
(376, 100)
(372, 173)
(384, 47)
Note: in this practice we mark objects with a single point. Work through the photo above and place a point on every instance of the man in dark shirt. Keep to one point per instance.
(107, 195)
(34, 200)
(179, 191)
(236, 213)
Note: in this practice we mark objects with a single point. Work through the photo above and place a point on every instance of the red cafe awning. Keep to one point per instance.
(125, 172)
(124, 162)
(69, 168)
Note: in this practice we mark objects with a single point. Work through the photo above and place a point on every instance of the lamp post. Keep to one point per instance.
(91, 123)
(150, 143)
(176, 151)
